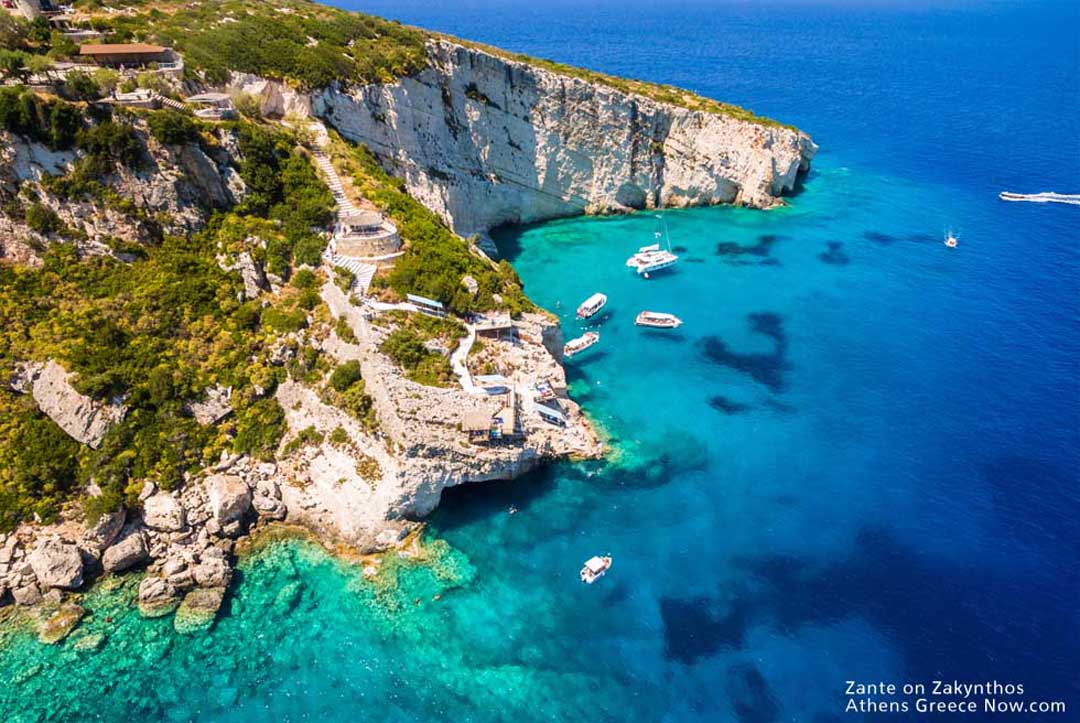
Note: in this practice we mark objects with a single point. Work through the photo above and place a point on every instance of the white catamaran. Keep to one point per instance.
(652, 258)
(658, 320)
(583, 342)
(591, 305)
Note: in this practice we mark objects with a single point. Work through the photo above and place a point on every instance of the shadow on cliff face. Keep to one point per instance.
(764, 368)
(465, 504)
(934, 613)
(507, 240)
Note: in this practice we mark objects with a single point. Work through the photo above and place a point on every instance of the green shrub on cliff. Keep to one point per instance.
(310, 44)
(171, 127)
(421, 365)
(155, 332)
(47, 121)
(43, 219)
(436, 260)
(38, 462)
(259, 429)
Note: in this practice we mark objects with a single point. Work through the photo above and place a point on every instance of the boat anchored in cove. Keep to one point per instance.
(594, 569)
(591, 305)
(658, 320)
(583, 342)
(652, 258)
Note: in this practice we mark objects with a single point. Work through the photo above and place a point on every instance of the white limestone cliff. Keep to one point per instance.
(484, 140)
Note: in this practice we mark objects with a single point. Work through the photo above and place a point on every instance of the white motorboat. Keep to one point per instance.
(951, 241)
(580, 344)
(594, 569)
(591, 305)
(658, 320)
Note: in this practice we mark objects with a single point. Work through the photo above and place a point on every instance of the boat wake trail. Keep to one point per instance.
(1072, 199)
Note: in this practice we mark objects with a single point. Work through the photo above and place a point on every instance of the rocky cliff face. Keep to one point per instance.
(484, 140)
(176, 186)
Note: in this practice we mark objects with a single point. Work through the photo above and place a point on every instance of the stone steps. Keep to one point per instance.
(364, 272)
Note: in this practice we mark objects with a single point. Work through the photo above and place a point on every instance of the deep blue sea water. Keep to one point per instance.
(858, 459)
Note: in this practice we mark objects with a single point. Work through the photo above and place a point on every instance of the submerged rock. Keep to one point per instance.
(57, 564)
(60, 624)
(157, 597)
(90, 641)
(198, 610)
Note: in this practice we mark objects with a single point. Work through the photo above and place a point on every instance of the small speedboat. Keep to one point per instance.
(580, 344)
(594, 569)
(591, 305)
(951, 241)
(658, 320)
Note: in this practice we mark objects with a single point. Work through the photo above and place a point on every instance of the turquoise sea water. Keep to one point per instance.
(857, 459)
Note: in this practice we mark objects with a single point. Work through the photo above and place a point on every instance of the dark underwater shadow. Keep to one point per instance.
(751, 697)
(834, 254)
(763, 246)
(941, 617)
(728, 406)
(764, 368)
(663, 460)
(671, 335)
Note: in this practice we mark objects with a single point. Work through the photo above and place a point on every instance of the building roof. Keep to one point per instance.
(477, 420)
(424, 301)
(494, 320)
(362, 217)
(120, 49)
(545, 411)
(208, 98)
(508, 416)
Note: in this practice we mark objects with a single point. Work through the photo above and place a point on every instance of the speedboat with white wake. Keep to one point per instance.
(652, 258)
(591, 305)
(1072, 199)
(580, 344)
(658, 320)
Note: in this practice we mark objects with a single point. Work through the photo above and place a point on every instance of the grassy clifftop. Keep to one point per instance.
(311, 45)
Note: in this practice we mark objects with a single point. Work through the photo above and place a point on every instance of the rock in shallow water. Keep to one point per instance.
(198, 610)
(61, 623)
(157, 597)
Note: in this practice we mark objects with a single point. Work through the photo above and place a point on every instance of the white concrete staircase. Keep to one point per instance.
(333, 182)
(170, 103)
(364, 273)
